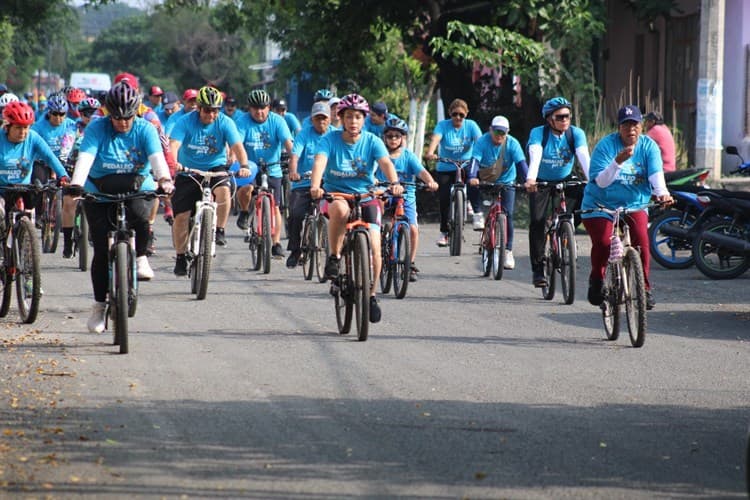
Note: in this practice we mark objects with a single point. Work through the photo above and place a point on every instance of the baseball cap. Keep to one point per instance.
(189, 94)
(629, 113)
(321, 108)
(334, 101)
(500, 123)
(156, 90)
(169, 100)
(230, 101)
(379, 108)
(130, 78)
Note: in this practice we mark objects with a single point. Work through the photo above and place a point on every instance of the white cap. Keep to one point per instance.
(500, 123)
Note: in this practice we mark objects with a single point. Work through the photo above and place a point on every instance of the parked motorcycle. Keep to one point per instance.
(722, 248)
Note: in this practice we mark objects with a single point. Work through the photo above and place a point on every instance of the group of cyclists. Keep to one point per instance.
(344, 146)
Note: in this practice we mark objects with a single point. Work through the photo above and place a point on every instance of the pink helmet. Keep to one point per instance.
(353, 101)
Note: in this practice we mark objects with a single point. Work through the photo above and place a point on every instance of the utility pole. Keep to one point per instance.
(710, 93)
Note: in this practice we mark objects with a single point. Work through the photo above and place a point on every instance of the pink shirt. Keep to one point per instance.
(663, 137)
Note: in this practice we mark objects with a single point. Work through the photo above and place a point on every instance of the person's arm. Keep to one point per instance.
(386, 166)
(319, 166)
(607, 176)
(293, 161)
(174, 146)
(582, 152)
(82, 168)
(523, 168)
(239, 152)
(425, 177)
(434, 142)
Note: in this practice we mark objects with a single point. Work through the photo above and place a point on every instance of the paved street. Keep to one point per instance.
(468, 388)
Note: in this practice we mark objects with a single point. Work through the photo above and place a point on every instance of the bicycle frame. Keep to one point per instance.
(261, 191)
(207, 200)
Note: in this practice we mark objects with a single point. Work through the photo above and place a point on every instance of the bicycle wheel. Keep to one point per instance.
(81, 231)
(669, 251)
(118, 307)
(5, 283)
(202, 260)
(611, 304)
(486, 248)
(716, 260)
(284, 205)
(456, 222)
(321, 248)
(498, 250)
(635, 297)
(254, 243)
(266, 237)
(361, 282)
(548, 292)
(132, 284)
(342, 290)
(566, 237)
(307, 252)
(28, 271)
(387, 245)
(402, 264)
(51, 219)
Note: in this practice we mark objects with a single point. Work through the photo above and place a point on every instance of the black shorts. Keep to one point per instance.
(187, 191)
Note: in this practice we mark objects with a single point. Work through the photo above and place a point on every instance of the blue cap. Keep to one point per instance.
(379, 108)
(629, 113)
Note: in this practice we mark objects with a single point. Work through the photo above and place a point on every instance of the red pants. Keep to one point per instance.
(600, 231)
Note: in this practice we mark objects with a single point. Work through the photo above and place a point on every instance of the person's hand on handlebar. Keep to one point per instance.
(396, 189)
(166, 185)
(430, 156)
(474, 182)
(530, 185)
(316, 193)
(665, 199)
(244, 171)
(294, 176)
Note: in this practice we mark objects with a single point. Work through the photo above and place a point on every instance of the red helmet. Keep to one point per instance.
(75, 96)
(130, 78)
(18, 113)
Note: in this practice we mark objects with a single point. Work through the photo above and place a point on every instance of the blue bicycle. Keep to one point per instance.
(395, 249)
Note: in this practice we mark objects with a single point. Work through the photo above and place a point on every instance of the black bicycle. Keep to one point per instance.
(314, 243)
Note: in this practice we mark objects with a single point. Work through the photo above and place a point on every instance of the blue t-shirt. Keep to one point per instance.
(60, 139)
(172, 120)
(305, 146)
(17, 159)
(408, 167)
(631, 188)
(204, 146)
(456, 144)
(376, 129)
(350, 167)
(264, 141)
(486, 153)
(121, 153)
(236, 115)
(557, 158)
(292, 122)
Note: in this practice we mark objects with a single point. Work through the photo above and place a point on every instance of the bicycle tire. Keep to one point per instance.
(486, 249)
(402, 264)
(203, 258)
(132, 283)
(5, 283)
(254, 242)
(266, 237)
(635, 297)
(307, 252)
(361, 282)
(548, 292)
(455, 236)
(669, 251)
(718, 262)
(284, 205)
(568, 258)
(82, 235)
(28, 271)
(387, 244)
(611, 303)
(119, 303)
(498, 248)
(342, 296)
(46, 221)
(321, 248)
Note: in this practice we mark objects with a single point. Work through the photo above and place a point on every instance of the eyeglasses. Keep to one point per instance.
(561, 118)
(121, 118)
(88, 113)
(458, 115)
(210, 111)
(392, 136)
(499, 132)
(56, 113)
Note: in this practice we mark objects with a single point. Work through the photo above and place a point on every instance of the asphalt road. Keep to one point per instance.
(468, 388)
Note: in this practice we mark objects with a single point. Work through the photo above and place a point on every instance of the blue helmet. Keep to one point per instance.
(396, 123)
(554, 104)
(323, 95)
(57, 103)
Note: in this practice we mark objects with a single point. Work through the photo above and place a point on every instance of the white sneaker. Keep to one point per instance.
(510, 262)
(96, 320)
(442, 240)
(469, 209)
(143, 268)
(478, 221)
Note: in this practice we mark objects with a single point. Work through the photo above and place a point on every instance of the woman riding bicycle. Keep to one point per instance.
(626, 170)
(118, 155)
(345, 162)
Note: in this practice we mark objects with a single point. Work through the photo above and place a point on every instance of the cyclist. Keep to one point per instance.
(375, 121)
(6, 99)
(626, 170)
(653, 124)
(408, 167)
(231, 110)
(345, 162)
(456, 137)
(204, 135)
(117, 155)
(74, 97)
(169, 104)
(264, 135)
(323, 95)
(499, 156)
(300, 163)
(553, 148)
(335, 120)
(189, 103)
(279, 107)
(155, 96)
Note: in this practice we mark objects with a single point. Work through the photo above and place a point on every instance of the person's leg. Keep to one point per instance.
(600, 232)
(299, 205)
(509, 207)
(68, 220)
(638, 223)
(538, 207)
(444, 180)
(99, 226)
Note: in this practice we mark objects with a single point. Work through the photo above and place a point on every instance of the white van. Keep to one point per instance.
(91, 82)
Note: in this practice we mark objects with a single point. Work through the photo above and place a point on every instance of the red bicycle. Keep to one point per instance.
(262, 223)
(495, 232)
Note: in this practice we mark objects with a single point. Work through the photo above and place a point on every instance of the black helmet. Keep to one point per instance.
(122, 100)
(258, 98)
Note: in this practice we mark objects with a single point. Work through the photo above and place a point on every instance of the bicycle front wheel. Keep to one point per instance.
(386, 246)
(458, 206)
(28, 271)
(402, 264)
(51, 221)
(342, 291)
(119, 301)
(82, 237)
(202, 261)
(266, 237)
(5, 283)
(321, 248)
(307, 252)
(254, 243)
(498, 250)
(568, 257)
(635, 297)
(611, 304)
(485, 247)
(548, 291)
(361, 282)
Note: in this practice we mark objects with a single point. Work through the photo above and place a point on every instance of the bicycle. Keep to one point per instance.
(560, 250)
(285, 192)
(396, 247)
(262, 222)
(50, 218)
(202, 232)
(80, 237)
(351, 288)
(21, 254)
(314, 243)
(624, 281)
(457, 217)
(495, 232)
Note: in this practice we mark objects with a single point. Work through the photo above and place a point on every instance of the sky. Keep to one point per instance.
(141, 4)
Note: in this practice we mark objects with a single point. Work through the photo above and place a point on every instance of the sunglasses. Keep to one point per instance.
(392, 136)
(210, 111)
(561, 118)
(88, 113)
(458, 115)
(57, 113)
(121, 118)
(499, 132)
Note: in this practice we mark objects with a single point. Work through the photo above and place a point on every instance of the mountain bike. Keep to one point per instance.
(314, 243)
(495, 232)
(50, 218)
(457, 216)
(202, 232)
(262, 222)
(560, 251)
(396, 246)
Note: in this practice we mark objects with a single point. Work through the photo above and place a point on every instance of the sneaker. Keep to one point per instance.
(478, 221)
(95, 323)
(68, 249)
(221, 238)
(539, 280)
(292, 260)
(243, 219)
(650, 300)
(332, 267)
(510, 262)
(276, 250)
(143, 268)
(596, 297)
(181, 265)
(413, 275)
(442, 240)
(469, 209)
(374, 310)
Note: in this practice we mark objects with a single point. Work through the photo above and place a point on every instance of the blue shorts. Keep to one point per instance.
(410, 211)
(244, 181)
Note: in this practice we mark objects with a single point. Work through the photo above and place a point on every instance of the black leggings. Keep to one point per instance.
(299, 207)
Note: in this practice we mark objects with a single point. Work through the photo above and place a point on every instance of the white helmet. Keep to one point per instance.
(7, 98)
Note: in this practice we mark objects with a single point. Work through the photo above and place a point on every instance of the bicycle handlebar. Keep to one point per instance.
(620, 210)
(207, 173)
(456, 163)
(146, 195)
(561, 184)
